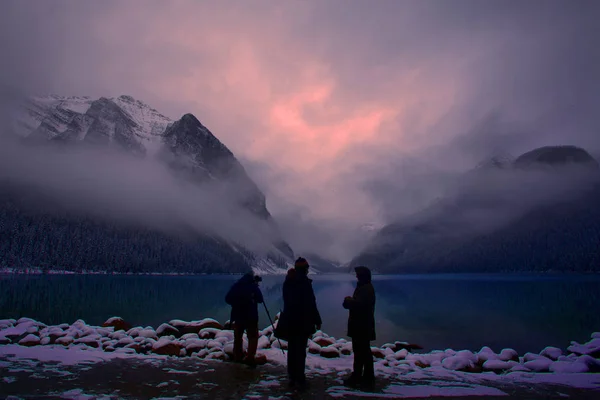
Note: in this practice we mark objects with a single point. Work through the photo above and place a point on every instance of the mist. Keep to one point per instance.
(111, 185)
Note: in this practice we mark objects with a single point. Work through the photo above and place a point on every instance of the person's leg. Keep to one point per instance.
(252, 333)
(292, 360)
(238, 343)
(367, 359)
(302, 342)
(357, 366)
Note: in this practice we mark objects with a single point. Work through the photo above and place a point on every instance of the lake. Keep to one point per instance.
(525, 312)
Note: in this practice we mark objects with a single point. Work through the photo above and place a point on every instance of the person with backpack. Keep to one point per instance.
(361, 328)
(244, 297)
(299, 320)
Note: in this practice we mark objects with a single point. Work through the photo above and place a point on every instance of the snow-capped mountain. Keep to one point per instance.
(127, 124)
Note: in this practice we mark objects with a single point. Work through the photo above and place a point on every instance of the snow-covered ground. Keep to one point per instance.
(438, 373)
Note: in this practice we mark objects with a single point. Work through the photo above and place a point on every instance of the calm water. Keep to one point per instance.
(526, 313)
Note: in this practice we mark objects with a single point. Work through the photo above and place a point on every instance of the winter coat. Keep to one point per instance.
(244, 297)
(361, 321)
(300, 315)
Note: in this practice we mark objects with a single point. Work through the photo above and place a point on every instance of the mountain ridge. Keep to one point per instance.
(127, 125)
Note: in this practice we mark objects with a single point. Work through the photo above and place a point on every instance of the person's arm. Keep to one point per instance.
(258, 296)
(316, 314)
(359, 301)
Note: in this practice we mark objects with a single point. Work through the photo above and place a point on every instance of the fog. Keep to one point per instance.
(111, 185)
(345, 113)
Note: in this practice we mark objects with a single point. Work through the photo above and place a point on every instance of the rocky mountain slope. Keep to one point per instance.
(191, 152)
(537, 213)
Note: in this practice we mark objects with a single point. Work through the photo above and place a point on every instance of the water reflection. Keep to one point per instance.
(523, 312)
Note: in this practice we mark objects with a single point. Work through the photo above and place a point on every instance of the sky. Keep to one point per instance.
(345, 112)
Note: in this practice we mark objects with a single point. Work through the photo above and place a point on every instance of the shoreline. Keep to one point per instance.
(40, 271)
(190, 357)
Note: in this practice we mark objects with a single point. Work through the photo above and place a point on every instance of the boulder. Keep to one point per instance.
(313, 348)
(567, 367)
(124, 341)
(117, 323)
(264, 342)
(167, 330)
(324, 341)
(208, 333)
(65, 340)
(552, 353)
(330, 352)
(166, 347)
(30, 340)
(508, 355)
(194, 345)
(260, 359)
(377, 352)
(148, 333)
(498, 365)
(541, 364)
(591, 348)
(407, 346)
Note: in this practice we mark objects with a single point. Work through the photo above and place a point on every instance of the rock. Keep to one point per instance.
(137, 347)
(346, 349)
(531, 357)
(596, 335)
(109, 349)
(7, 323)
(117, 323)
(118, 335)
(264, 342)
(124, 342)
(498, 365)
(196, 326)
(541, 364)
(91, 340)
(592, 363)
(519, 368)
(208, 333)
(462, 361)
(165, 346)
(188, 336)
(217, 355)
(30, 340)
(330, 352)
(214, 344)
(508, 355)
(228, 325)
(401, 354)
(228, 349)
(486, 354)
(65, 340)
(407, 346)
(193, 345)
(324, 341)
(5, 340)
(377, 352)
(148, 333)
(313, 348)
(260, 359)
(125, 350)
(591, 348)
(279, 344)
(227, 335)
(552, 353)
(167, 330)
(567, 367)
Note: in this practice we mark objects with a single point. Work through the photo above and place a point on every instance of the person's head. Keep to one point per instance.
(257, 279)
(301, 265)
(363, 274)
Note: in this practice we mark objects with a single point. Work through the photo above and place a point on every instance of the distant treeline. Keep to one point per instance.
(46, 241)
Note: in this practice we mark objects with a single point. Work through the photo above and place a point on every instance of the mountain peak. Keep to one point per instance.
(556, 156)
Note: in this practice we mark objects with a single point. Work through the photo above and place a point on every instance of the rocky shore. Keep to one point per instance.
(208, 339)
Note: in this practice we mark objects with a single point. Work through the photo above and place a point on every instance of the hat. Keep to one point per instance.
(301, 263)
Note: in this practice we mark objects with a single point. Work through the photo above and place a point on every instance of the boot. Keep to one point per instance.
(352, 381)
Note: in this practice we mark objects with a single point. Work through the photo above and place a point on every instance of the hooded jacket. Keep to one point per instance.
(244, 297)
(300, 314)
(361, 321)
